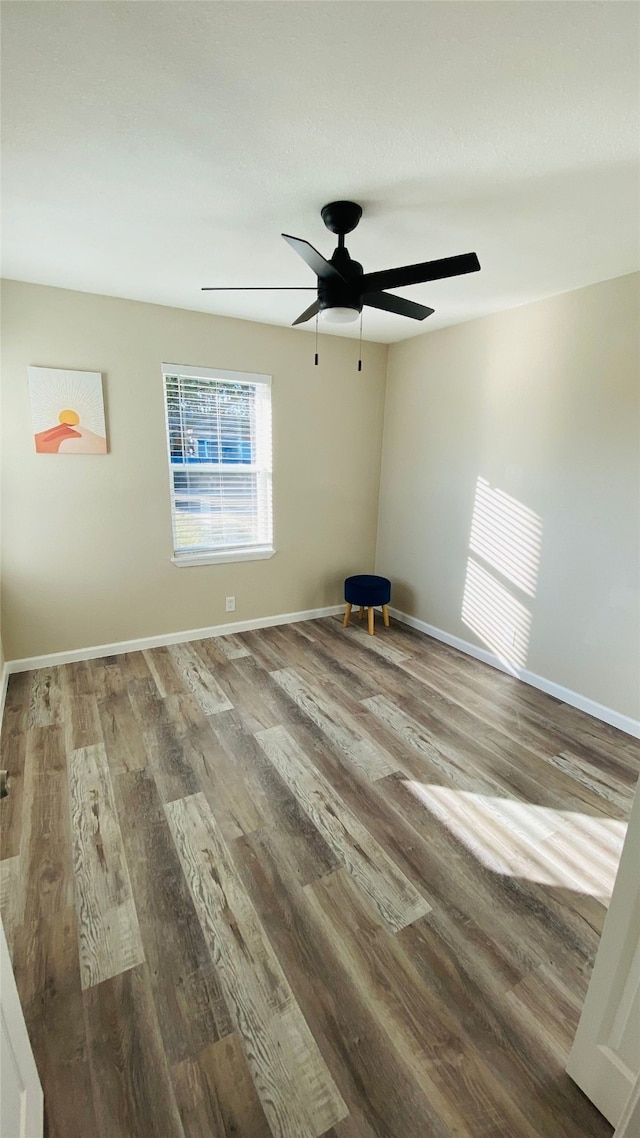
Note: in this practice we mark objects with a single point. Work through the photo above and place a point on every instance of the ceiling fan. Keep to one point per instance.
(342, 285)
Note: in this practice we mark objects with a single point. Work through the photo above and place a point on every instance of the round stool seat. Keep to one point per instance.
(367, 590)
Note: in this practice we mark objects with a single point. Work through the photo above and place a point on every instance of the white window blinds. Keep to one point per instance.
(219, 441)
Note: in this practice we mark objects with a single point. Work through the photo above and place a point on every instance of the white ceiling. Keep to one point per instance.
(151, 148)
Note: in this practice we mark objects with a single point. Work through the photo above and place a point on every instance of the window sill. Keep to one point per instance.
(183, 560)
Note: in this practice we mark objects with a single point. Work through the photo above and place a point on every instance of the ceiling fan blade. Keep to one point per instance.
(398, 304)
(308, 313)
(321, 267)
(417, 274)
(258, 288)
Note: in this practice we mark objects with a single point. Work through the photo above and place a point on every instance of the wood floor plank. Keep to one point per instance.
(261, 698)
(354, 654)
(342, 731)
(423, 1029)
(487, 757)
(352, 1128)
(230, 794)
(46, 951)
(47, 969)
(324, 661)
(377, 644)
(82, 724)
(268, 655)
(186, 756)
(295, 651)
(122, 733)
(106, 676)
(166, 674)
(591, 775)
(107, 921)
(443, 759)
(539, 999)
(526, 913)
(622, 751)
(199, 679)
(232, 647)
(46, 877)
(586, 856)
(77, 679)
(524, 710)
(216, 1095)
(45, 707)
(394, 898)
(186, 990)
(440, 718)
(457, 961)
(382, 1096)
(9, 885)
(297, 1092)
(132, 1088)
(13, 747)
(239, 681)
(163, 740)
(136, 666)
(518, 839)
(81, 716)
(499, 752)
(276, 802)
(530, 922)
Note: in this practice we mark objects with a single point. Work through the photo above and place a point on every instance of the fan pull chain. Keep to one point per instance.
(360, 345)
(316, 339)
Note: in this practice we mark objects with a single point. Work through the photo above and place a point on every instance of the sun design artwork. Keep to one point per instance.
(67, 411)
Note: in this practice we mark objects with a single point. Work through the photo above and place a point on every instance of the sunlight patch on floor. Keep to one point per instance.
(561, 848)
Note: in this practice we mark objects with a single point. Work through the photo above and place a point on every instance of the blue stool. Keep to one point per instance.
(367, 591)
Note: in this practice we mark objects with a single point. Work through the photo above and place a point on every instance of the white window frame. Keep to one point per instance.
(213, 555)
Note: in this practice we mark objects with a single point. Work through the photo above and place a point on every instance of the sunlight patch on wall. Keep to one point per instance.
(505, 539)
(559, 848)
(496, 616)
(507, 535)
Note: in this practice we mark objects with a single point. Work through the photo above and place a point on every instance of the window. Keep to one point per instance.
(219, 440)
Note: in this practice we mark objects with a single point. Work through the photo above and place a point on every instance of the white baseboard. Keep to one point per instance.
(75, 654)
(4, 680)
(566, 695)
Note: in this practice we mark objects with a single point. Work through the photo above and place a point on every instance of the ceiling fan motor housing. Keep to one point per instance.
(336, 293)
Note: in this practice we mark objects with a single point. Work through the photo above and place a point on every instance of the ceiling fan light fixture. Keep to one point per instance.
(339, 314)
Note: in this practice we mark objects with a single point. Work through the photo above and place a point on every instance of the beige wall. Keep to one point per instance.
(2, 655)
(540, 402)
(87, 539)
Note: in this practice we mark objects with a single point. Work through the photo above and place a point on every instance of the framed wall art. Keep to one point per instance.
(67, 411)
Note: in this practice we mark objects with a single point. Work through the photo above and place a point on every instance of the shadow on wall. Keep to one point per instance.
(502, 573)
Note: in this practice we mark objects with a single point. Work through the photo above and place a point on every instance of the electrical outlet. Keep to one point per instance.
(231, 604)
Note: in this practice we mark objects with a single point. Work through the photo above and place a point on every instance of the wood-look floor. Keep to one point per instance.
(304, 882)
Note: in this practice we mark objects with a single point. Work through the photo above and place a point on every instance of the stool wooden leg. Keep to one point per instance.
(371, 615)
(385, 616)
(347, 616)
(361, 613)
